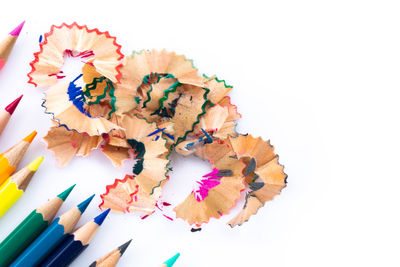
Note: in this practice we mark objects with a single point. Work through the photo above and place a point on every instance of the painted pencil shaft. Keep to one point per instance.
(10, 159)
(36, 252)
(30, 228)
(39, 249)
(5, 114)
(112, 258)
(8, 43)
(66, 253)
(75, 244)
(15, 186)
(9, 194)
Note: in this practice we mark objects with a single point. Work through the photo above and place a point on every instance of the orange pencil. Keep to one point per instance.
(10, 159)
(8, 43)
(5, 114)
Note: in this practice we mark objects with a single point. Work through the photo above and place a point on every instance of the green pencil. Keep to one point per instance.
(30, 228)
(50, 238)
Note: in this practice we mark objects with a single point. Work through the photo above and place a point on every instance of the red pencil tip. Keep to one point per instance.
(18, 29)
(13, 105)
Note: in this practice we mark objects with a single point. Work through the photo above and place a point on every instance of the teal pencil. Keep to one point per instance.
(51, 237)
(171, 261)
(30, 228)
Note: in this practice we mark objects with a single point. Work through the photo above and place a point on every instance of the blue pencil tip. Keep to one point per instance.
(83, 205)
(100, 218)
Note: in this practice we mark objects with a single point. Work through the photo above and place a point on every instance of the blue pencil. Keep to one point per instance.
(73, 246)
(51, 237)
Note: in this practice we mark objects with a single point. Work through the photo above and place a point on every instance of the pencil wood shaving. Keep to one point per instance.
(140, 109)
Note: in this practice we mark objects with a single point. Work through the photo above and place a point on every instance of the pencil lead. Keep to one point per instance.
(13, 105)
(83, 205)
(34, 165)
(18, 29)
(30, 137)
(100, 218)
(63, 195)
(123, 247)
(172, 260)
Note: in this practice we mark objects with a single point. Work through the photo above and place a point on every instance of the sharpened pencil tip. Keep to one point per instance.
(124, 246)
(100, 218)
(63, 196)
(172, 260)
(34, 165)
(13, 105)
(83, 205)
(30, 137)
(18, 29)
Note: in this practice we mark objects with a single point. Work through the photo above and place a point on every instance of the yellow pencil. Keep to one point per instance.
(15, 186)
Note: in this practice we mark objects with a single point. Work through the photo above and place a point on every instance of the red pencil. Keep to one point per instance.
(8, 43)
(5, 114)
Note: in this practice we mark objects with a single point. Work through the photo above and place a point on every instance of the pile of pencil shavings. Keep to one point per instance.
(143, 107)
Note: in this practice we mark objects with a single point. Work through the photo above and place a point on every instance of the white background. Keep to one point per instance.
(318, 78)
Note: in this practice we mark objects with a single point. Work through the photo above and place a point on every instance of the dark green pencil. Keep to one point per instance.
(50, 238)
(30, 228)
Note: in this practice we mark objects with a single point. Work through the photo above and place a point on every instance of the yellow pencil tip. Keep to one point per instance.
(30, 137)
(34, 165)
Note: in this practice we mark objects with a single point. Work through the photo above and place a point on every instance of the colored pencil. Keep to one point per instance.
(112, 258)
(5, 114)
(75, 244)
(30, 228)
(15, 186)
(10, 159)
(8, 43)
(171, 261)
(57, 232)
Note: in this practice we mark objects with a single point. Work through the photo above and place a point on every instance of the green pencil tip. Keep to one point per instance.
(65, 194)
(172, 260)
(83, 205)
